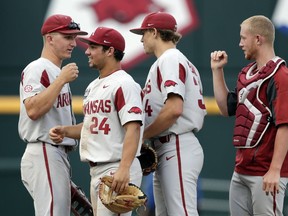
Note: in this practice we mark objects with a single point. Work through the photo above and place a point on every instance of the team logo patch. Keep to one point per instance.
(135, 110)
(28, 88)
(169, 83)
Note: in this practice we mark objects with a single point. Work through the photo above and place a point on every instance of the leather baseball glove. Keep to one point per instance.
(80, 205)
(148, 159)
(131, 198)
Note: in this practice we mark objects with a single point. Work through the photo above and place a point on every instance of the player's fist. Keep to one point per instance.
(69, 72)
(57, 134)
(218, 59)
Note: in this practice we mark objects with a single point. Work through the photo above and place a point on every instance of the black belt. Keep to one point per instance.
(66, 148)
(93, 164)
(165, 139)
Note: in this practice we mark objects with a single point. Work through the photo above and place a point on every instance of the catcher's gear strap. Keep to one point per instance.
(80, 205)
(131, 198)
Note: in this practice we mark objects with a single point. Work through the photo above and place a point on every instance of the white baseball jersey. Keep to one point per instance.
(35, 78)
(173, 73)
(108, 104)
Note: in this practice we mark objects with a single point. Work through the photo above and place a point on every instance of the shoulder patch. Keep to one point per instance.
(169, 83)
(28, 88)
(135, 110)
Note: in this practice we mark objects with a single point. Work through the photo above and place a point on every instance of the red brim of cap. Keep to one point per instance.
(86, 40)
(138, 31)
(72, 31)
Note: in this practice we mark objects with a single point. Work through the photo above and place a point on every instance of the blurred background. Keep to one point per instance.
(205, 25)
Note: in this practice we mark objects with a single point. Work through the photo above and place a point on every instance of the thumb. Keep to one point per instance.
(57, 129)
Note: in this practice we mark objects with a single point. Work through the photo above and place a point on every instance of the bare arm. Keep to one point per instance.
(168, 115)
(121, 177)
(38, 105)
(218, 60)
(58, 133)
(272, 177)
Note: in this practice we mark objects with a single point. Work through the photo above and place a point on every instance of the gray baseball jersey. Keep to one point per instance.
(36, 77)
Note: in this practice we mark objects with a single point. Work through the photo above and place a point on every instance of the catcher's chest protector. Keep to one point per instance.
(252, 115)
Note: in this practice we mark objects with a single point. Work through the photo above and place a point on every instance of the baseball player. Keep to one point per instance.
(261, 125)
(111, 131)
(174, 112)
(45, 101)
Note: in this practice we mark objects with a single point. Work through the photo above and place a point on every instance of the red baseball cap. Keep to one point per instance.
(158, 20)
(106, 37)
(62, 24)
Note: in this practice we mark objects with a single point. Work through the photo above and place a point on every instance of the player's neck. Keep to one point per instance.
(106, 71)
(264, 56)
(163, 47)
(54, 59)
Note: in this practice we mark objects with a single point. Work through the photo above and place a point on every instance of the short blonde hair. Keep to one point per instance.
(261, 25)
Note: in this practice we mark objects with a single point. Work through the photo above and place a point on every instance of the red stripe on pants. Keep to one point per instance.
(180, 174)
(49, 176)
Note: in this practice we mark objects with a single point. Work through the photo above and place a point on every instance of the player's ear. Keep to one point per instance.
(259, 39)
(154, 31)
(48, 37)
(111, 50)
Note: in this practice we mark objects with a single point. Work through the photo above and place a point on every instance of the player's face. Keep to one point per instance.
(248, 42)
(147, 40)
(62, 44)
(96, 56)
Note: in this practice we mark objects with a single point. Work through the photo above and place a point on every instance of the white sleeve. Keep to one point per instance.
(132, 110)
(172, 73)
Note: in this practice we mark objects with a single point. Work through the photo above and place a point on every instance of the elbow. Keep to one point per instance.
(33, 117)
(33, 114)
(223, 113)
(32, 111)
(223, 109)
(177, 113)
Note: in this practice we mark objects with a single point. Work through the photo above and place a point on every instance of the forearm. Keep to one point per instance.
(167, 117)
(161, 123)
(280, 148)
(220, 90)
(41, 103)
(73, 131)
(130, 144)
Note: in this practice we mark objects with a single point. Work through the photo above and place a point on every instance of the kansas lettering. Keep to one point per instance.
(97, 106)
